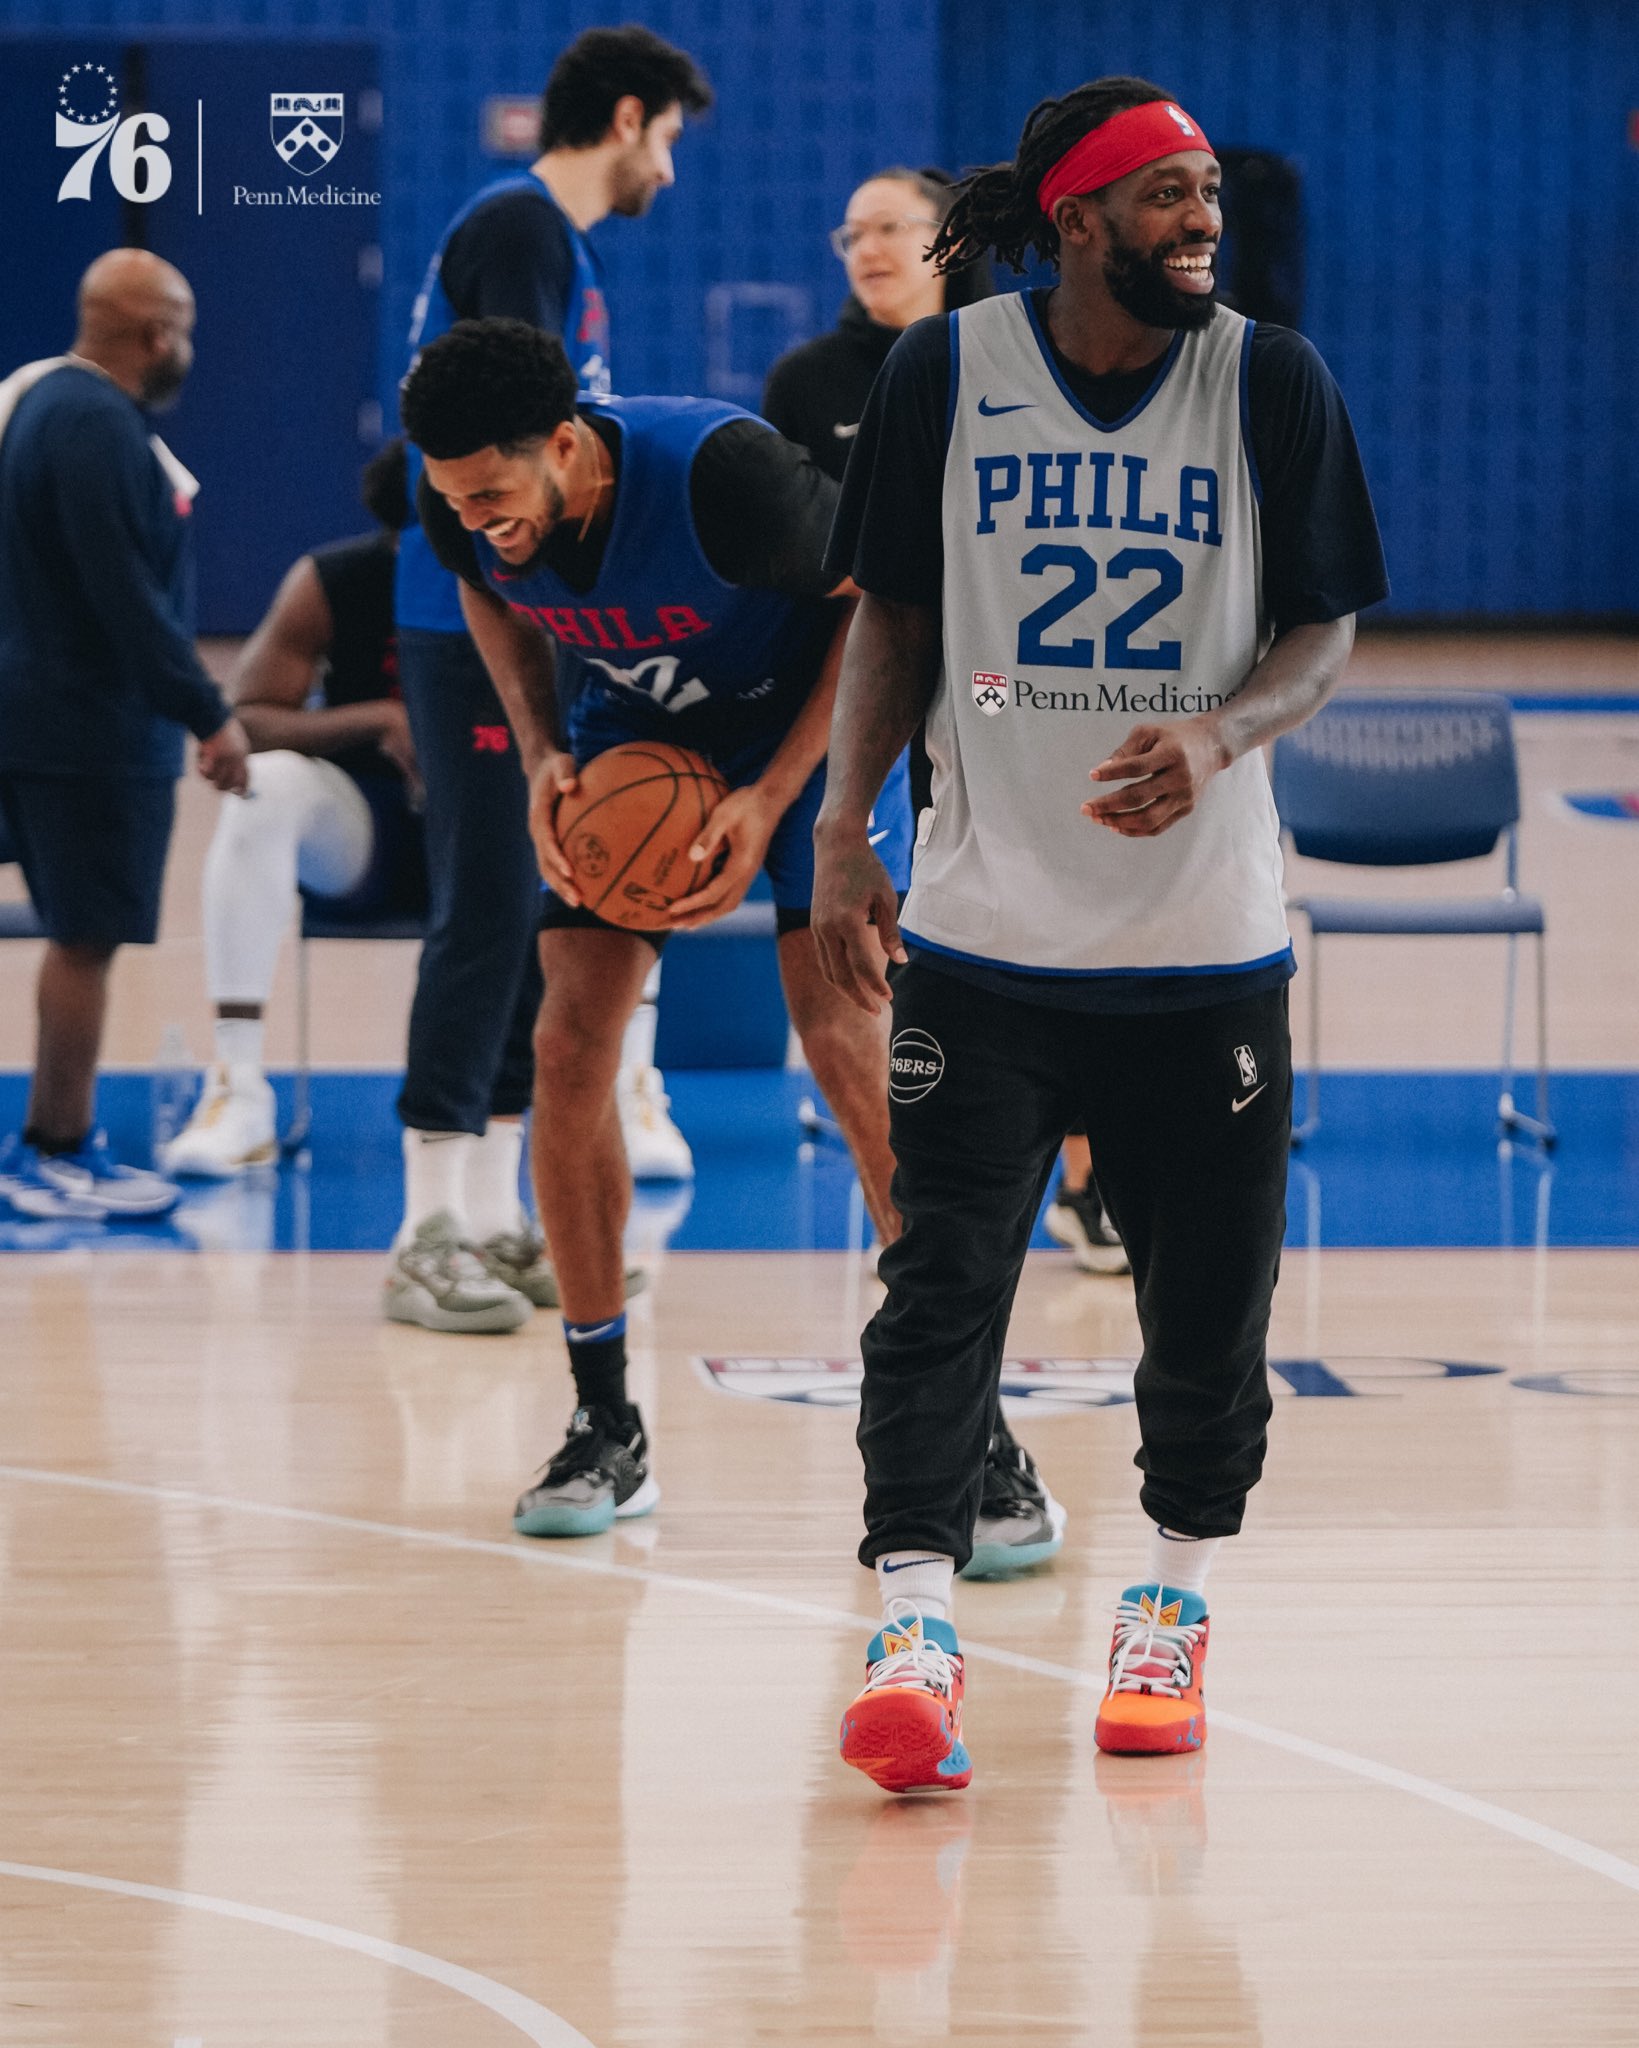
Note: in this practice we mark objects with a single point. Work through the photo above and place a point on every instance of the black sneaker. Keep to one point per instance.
(1078, 1221)
(1020, 1523)
(599, 1477)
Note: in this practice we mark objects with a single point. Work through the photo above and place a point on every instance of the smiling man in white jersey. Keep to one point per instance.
(1112, 541)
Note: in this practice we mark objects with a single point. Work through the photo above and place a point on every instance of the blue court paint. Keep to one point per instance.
(1400, 1159)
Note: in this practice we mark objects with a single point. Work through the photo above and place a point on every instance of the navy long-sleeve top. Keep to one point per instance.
(98, 673)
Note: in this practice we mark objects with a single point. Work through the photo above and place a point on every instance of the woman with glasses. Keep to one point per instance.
(816, 394)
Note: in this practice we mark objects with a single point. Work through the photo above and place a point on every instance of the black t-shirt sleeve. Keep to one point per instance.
(1322, 557)
(446, 536)
(762, 510)
(888, 533)
(511, 260)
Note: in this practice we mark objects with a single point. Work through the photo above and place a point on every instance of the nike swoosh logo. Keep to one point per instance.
(1237, 1107)
(876, 838)
(592, 1336)
(846, 433)
(992, 412)
(911, 1562)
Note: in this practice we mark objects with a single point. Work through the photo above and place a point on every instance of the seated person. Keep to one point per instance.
(331, 805)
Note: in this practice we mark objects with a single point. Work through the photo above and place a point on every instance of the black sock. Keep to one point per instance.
(597, 1358)
(52, 1148)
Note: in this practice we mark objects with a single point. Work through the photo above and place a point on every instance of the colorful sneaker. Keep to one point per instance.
(1078, 1222)
(601, 1476)
(28, 1191)
(518, 1258)
(1153, 1705)
(1020, 1524)
(439, 1282)
(655, 1148)
(234, 1126)
(92, 1174)
(904, 1731)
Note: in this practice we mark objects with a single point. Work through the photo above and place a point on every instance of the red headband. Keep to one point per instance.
(1126, 142)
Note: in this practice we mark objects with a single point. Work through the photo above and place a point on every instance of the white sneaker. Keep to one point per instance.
(234, 1125)
(440, 1281)
(655, 1147)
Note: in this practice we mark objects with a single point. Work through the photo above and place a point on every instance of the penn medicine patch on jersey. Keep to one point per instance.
(1098, 577)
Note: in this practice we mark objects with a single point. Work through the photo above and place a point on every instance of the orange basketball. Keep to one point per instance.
(627, 830)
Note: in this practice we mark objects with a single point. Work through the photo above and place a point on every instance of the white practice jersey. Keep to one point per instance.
(1097, 577)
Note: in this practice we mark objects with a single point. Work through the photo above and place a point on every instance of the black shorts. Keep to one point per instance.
(558, 916)
(92, 849)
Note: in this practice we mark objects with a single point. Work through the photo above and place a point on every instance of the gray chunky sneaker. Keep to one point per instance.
(440, 1281)
(518, 1257)
(599, 1477)
(1020, 1524)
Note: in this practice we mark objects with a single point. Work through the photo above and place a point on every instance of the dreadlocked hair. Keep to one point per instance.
(996, 208)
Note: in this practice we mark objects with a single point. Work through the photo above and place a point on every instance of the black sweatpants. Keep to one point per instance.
(1188, 1114)
(478, 989)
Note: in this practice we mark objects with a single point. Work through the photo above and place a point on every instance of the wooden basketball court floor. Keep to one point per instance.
(302, 1747)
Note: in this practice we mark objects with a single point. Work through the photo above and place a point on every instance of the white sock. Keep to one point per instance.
(435, 1177)
(493, 1203)
(1180, 1561)
(239, 1042)
(920, 1575)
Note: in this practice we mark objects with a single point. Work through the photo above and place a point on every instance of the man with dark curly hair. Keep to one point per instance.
(464, 1258)
(660, 561)
(1112, 540)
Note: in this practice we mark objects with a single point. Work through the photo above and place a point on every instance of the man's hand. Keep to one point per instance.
(739, 828)
(556, 775)
(1165, 768)
(395, 742)
(224, 759)
(853, 892)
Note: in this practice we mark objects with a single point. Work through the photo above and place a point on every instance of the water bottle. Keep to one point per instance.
(173, 1087)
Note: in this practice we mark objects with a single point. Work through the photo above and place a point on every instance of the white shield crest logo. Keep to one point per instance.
(307, 129)
(989, 692)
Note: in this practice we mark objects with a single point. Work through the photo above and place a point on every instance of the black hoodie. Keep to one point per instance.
(816, 394)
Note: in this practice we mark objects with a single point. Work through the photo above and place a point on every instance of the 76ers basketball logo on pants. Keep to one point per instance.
(989, 692)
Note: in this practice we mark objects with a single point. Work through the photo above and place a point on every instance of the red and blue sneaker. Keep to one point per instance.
(1152, 1705)
(904, 1731)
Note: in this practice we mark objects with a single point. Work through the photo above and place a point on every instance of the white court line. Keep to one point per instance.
(1601, 1862)
(533, 2021)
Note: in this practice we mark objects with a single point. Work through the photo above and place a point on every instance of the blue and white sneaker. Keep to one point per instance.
(92, 1174)
(29, 1192)
(601, 1476)
(904, 1731)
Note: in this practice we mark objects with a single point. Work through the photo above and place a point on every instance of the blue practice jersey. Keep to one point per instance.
(522, 272)
(660, 636)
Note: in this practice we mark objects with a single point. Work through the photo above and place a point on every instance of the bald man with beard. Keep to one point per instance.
(99, 682)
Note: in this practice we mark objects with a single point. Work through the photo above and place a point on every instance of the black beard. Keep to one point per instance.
(1140, 286)
(162, 386)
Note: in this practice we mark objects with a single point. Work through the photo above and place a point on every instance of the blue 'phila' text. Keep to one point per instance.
(1051, 491)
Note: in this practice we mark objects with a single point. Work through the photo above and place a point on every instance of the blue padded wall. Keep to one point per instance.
(1469, 193)
(1471, 201)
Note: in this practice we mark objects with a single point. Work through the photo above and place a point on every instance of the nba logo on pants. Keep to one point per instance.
(1248, 1066)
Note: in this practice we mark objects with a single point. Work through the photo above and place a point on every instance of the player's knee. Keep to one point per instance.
(573, 1050)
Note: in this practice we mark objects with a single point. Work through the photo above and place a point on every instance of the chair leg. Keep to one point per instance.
(1311, 1099)
(302, 1121)
(1510, 1116)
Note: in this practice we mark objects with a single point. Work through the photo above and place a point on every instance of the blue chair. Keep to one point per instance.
(1401, 780)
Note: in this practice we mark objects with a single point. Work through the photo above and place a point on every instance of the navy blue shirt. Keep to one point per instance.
(98, 673)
